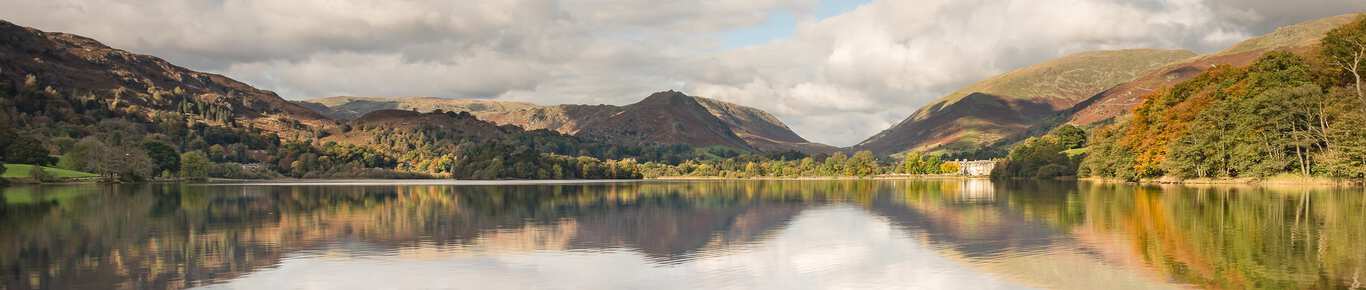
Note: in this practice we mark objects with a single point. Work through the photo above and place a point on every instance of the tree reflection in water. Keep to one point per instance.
(165, 236)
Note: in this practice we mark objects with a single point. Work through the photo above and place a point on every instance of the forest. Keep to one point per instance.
(1287, 114)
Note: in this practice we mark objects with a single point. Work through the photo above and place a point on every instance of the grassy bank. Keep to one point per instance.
(23, 173)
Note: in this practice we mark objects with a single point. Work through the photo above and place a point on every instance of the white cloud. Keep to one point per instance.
(894, 56)
(837, 80)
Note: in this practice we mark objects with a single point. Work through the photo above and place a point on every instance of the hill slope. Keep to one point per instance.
(138, 84)
(1012, 102)
(662, 118)
(1122, 99)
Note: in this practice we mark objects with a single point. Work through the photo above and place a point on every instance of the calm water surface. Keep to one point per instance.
(922, 234)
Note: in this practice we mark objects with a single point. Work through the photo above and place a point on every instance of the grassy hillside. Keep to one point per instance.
(1073, 77)
(1057, 84)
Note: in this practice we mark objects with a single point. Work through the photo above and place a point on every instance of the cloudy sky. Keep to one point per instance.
(837, 71)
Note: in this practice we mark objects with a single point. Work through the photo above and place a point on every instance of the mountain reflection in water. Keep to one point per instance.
(929, 234)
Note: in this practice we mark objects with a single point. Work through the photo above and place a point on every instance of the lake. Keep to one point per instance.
(844, 234)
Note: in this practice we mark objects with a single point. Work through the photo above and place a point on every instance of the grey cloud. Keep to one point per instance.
(1262, 16)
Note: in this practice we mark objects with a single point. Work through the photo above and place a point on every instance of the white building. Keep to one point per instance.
(976, 167)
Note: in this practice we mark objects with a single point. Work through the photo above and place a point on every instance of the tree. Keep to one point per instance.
(911, 164)
(950, 168)
(81, 155)
(27, 150)
(833, 165)
(1039, 157)
(194, 165)
(163, 155)
(40, 175)
(121, 163)
(863, 163)
(1345, 47)
(1070, 136)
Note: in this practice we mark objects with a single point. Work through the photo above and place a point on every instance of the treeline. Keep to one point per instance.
(117, 136)
(458, 145)
(1053, 155)
(1303, 115)
(794, 164)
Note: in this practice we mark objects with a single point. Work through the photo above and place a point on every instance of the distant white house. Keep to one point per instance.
(976, 167)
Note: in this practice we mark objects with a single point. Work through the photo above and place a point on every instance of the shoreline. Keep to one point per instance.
(873, 177)
(1244, 181)
(1248, 181)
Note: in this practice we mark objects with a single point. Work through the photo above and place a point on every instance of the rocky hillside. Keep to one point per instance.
(1011, 103)
(67, 64)
(1122, 99)
(662, 118)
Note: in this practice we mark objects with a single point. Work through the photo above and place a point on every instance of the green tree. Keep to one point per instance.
(194, 165)
(863, 163)
(911, 163)
(1345, 48)
(834, 165)
(1039, 157)
(1070, 136)
(27, 150)
(81, 155)
(163, 155)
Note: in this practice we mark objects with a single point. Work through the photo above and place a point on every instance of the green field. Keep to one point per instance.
(22, 171)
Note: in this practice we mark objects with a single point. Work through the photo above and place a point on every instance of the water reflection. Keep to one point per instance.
(742, 235)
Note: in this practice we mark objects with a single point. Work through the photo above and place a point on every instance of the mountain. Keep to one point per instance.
(139, 85)
(666, 118)
(661, 118)
(1011, 103)
(1122, 99)
(348, 108)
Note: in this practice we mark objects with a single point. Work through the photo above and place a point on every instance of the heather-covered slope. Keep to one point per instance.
(1012, 102)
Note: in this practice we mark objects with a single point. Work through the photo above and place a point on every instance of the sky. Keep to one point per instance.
(836, 71)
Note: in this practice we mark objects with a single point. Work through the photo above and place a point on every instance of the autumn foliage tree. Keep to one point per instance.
(1285, 113)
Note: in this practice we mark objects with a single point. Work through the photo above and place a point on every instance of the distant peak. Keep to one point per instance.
(666, 97)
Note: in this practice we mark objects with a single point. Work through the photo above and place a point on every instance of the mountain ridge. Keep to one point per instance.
(661, 118)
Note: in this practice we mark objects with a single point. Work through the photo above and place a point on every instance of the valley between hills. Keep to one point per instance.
(1288, 102)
